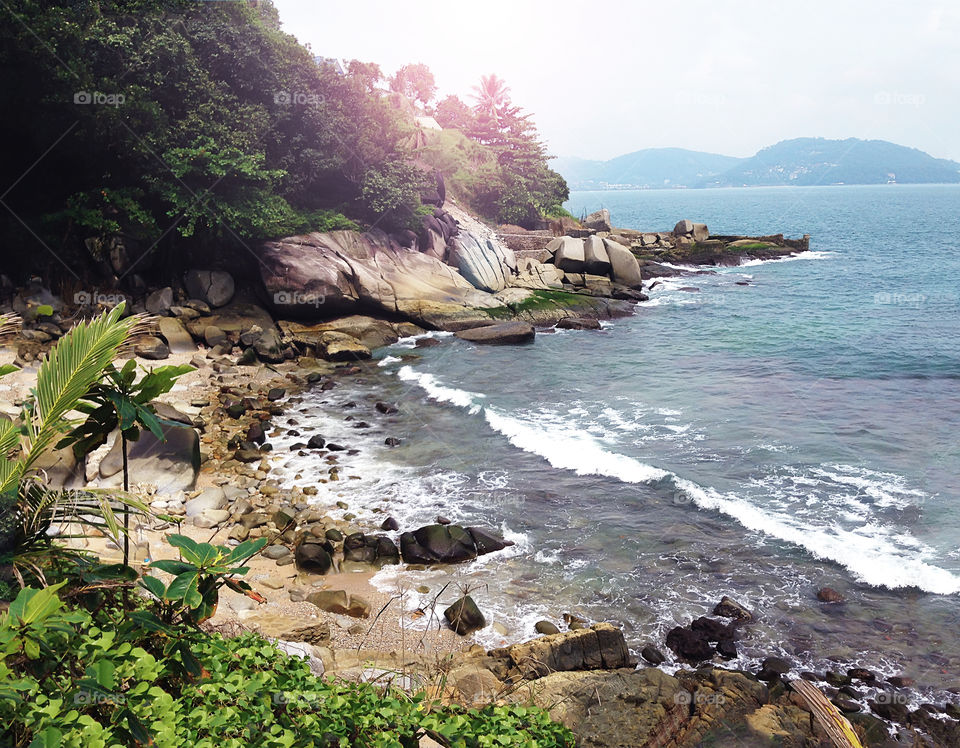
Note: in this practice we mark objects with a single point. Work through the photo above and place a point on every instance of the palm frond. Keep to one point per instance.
(64, 376)
(10, 325)
(141, 326)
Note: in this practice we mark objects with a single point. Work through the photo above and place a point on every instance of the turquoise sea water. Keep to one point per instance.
(760, 440)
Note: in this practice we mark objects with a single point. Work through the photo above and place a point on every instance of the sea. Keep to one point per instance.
(761, 432)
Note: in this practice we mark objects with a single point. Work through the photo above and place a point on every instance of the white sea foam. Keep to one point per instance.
(812, 254)
(871, 552)
(387, 360)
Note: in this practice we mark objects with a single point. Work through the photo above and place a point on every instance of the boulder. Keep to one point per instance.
(338, 601)
(533, 274)
(623, 265)
(578, 323)
(600, 646)
(447, 544)
(348, 272)
(160, 301)
(171, 465)
(176, 335)
(683, 228)
(505, 333)
(688, 644)
(595, 258)
(464, 616)
(214, 287)
(700, 232)
(730, 608)
(598, 220)
(212, 499)
(570, 257)
(486, 263)
(370, 331)
(151, 348)
(312, 557)
(338, 346)
(486, 541)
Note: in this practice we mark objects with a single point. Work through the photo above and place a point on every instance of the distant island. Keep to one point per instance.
(801, 162)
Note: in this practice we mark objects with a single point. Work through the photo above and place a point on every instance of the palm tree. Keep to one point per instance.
(492, 96)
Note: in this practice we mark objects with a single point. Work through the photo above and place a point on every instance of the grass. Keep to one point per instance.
(540, 299)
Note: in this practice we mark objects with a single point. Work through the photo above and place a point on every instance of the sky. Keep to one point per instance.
(605, 78)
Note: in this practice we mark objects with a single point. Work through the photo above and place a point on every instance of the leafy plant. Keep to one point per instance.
(120, 401)
(198, 576)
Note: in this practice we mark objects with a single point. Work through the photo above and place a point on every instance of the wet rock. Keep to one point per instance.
(437, 544)
(837, 679)
(387, 408)
(847, 706)
(688, 644)
(578, 323)
(730, 608)
(333, 535)
(390, 441)
(829, 595)
(600, 646)
(313, 557)
(441, 520)
(390, 524)
(776, 665)
(546, 628)
(464, 617)
(890, 710)
(316, 442)
(276, 393)
(862, 674)
(901, 681)
(505, 333)
(712, 630)
(652, 655)
(727, 649)
(486, 541)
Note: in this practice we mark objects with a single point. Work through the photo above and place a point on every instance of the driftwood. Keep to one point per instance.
(837, 727)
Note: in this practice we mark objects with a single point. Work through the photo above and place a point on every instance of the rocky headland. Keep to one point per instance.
(309, 318)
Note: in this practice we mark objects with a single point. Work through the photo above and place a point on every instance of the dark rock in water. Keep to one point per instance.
(730, 608)
(313, 557)
(847, 706)
(829, 595)
(688, 644)
(776, 664)
(314, 376)
(890, 710)
(578, 323)
(862, 674)
(570, 619)
(335, 447)
(506, 333)
(277, 393)
(546, 628)
(317, 442)
(387, 551)
(236, 410)
(464, 616)
(387, 408)
(355, 548)
(426, 343)
(441, 520)
(837, 679)
(437, 544)
(812, 677)
(712, 630)
(390, 441)
(743, 283)
(652, 655)
(487, 542)
(901, 681)
(390, 524)
(942, 732)
(727, 649)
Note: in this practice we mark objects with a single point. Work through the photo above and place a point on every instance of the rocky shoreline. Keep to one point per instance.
(214, 478)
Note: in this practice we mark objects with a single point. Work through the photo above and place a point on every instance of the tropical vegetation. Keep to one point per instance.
(95, 654)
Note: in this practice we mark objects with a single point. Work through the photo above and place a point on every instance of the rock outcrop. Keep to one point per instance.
(486, 263)
(595, 258)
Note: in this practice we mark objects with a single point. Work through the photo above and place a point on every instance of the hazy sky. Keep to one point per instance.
(730, 76)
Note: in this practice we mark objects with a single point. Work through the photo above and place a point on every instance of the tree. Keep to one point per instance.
(492, 96)
(453, 114)
(368, 73)
(416, 82)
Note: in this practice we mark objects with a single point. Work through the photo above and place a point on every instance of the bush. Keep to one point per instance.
(71, 678)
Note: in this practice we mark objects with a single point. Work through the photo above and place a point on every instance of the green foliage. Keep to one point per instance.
(70, 678)
(198, 576)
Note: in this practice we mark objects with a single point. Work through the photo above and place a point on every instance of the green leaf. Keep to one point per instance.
(44, 310)
(102, 672)
(184, 588)
(185, 544)
(158, 381)
(8, 369)
(33, 606)
(50, 737)
(172, 566)
(126, 410)
(154, 586)
(244, 550)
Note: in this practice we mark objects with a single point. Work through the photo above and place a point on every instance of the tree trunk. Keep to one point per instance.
(126, 513)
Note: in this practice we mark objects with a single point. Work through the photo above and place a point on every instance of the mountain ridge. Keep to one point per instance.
(797, 161)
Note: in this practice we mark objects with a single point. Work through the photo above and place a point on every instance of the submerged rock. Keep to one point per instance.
(506, 333)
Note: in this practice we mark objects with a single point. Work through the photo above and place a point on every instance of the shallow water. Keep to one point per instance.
(760, 441)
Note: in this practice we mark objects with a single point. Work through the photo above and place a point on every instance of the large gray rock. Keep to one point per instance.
(215, 287)
(569, 257)
(345, 271)
(623, 265)
(599, 220)
(486, 263)
(212, 499)
(595, 259)
(172, 465)
(683, 228)
(160, 301)
(700, 232)
(506, 333)
(176, 335)
(533, 274)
